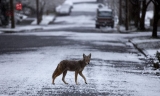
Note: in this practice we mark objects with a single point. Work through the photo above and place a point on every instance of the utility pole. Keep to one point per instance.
(12, 14)
(120, 12)
(37, 5)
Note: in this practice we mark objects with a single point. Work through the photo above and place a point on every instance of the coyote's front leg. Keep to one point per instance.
(80, 73)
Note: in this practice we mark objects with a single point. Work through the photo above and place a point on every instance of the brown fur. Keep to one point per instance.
(76, 66)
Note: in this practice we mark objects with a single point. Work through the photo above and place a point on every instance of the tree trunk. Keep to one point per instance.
(135, 12)
(37, 6)
(137, 17)
(155, 21)
(127, 16)
(41, 11)
(142, 19)
(120, 12)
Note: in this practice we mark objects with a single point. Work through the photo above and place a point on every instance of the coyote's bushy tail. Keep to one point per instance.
(57, 71)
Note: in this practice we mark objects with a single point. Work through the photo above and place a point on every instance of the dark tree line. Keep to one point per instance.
(140, 20)
(156, 16)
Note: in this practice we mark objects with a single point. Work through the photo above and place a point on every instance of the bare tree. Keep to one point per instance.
(156, 17)
(136, 12)
(120, 12)
(40, 8)
(145, 4)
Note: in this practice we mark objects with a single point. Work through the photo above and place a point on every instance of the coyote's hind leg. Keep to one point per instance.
(55, 74)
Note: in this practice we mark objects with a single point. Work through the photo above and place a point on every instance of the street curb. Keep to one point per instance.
(20, 30)
(145, 53)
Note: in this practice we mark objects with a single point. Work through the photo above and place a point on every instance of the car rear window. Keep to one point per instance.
(104, 13)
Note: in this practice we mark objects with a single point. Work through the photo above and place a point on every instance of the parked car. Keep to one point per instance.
(69, 2)
(105, 17)
(100, 5)
(19, 17)
(65, 8)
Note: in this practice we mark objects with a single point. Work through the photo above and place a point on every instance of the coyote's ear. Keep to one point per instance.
(90, 55)
(84, 55)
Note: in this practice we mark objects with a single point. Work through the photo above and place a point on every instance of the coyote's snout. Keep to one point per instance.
(76, 66)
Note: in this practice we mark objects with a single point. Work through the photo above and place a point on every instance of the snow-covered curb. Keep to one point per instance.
(147, 46)
(20, 29)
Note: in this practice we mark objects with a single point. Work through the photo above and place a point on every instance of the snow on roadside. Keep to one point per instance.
(149, 45)
(46, 19)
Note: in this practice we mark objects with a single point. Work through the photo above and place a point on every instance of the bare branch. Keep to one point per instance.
(148, 2)
(134, 2)
(155, 2)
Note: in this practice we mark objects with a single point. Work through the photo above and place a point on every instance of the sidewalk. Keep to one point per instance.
(147, 45)
(143, 42)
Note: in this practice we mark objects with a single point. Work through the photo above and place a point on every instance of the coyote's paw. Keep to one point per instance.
(77, 84)
(86, 82)
(66, 83)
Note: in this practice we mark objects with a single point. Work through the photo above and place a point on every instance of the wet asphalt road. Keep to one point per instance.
(28, 51)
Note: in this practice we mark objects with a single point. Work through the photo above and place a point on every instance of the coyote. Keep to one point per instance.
(76, 66)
